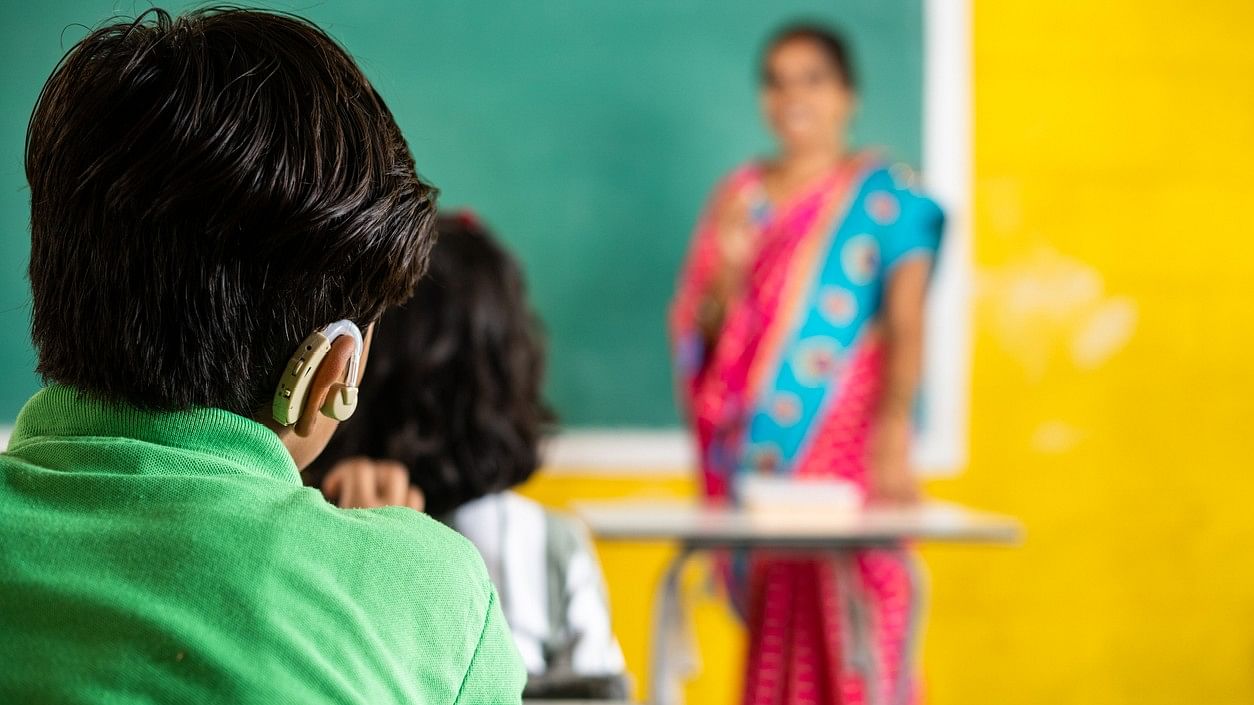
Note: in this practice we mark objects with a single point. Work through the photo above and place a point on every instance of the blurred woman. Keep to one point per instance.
(797, 331)
(450, 418)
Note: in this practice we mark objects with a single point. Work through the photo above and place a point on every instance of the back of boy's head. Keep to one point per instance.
(453, 388)
(206, 191)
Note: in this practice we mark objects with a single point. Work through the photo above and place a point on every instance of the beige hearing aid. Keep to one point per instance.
(293, 387)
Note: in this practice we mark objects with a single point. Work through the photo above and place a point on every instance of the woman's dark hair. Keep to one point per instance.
(452, 385)
(206, 191)
(831, 42)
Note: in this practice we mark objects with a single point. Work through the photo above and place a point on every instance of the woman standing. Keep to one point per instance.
(798, 336)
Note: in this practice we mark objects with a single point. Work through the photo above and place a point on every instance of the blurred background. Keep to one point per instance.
(1088, 358)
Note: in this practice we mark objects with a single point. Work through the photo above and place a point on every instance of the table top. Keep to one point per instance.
(718, 527)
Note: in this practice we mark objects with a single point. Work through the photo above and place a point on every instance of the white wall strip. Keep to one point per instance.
(947, 107)
(608, 452)
(620, 451)
(632, 452)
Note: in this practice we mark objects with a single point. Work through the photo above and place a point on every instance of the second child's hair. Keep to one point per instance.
(206, 190)
(452, 386)
(833, 45)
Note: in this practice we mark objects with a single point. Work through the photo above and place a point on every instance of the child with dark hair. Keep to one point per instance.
(452, 418)
(218, 202)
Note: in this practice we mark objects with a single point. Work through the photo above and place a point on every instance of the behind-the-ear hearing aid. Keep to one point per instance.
(289, 398)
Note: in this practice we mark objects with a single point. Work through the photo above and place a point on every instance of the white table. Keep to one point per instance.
(698, 528)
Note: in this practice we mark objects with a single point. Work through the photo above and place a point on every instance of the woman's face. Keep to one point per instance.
(803, 98)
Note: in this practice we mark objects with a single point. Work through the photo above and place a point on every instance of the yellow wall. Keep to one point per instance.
(1112, 390)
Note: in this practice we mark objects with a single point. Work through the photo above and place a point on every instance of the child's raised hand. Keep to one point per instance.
(364, 483)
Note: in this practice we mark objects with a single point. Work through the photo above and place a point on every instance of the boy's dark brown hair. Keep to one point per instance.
(206, 191)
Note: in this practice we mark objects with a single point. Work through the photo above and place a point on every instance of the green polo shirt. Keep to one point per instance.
(176, 558)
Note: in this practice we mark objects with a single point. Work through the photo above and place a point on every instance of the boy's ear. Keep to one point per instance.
(367, 337)
(327, 379)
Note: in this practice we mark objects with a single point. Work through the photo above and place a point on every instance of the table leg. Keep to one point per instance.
(856, 625)
(914, 626)
(861, 640)
(664, 687)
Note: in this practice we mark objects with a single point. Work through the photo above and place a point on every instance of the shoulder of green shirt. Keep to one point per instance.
(495, 670)
(494, 674)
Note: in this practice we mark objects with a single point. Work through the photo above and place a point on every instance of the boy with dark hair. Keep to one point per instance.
(206, 192)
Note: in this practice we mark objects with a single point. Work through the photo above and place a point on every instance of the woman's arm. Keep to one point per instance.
(715, 266)
(733, 239)
(892, 479)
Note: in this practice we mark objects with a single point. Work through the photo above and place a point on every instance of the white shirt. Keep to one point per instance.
(549, 583)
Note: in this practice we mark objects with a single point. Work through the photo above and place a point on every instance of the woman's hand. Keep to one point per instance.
(891, 479)
(735, 234)
(365, 483)
(735, 243)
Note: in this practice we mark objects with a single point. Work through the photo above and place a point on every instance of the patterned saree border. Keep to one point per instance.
(803, 271)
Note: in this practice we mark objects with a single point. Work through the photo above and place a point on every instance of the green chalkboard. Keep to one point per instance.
(587, 132)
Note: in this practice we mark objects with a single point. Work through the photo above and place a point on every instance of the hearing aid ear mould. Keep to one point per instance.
(293, 389)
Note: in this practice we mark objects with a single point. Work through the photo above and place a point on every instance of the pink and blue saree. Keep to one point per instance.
(789, 386)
